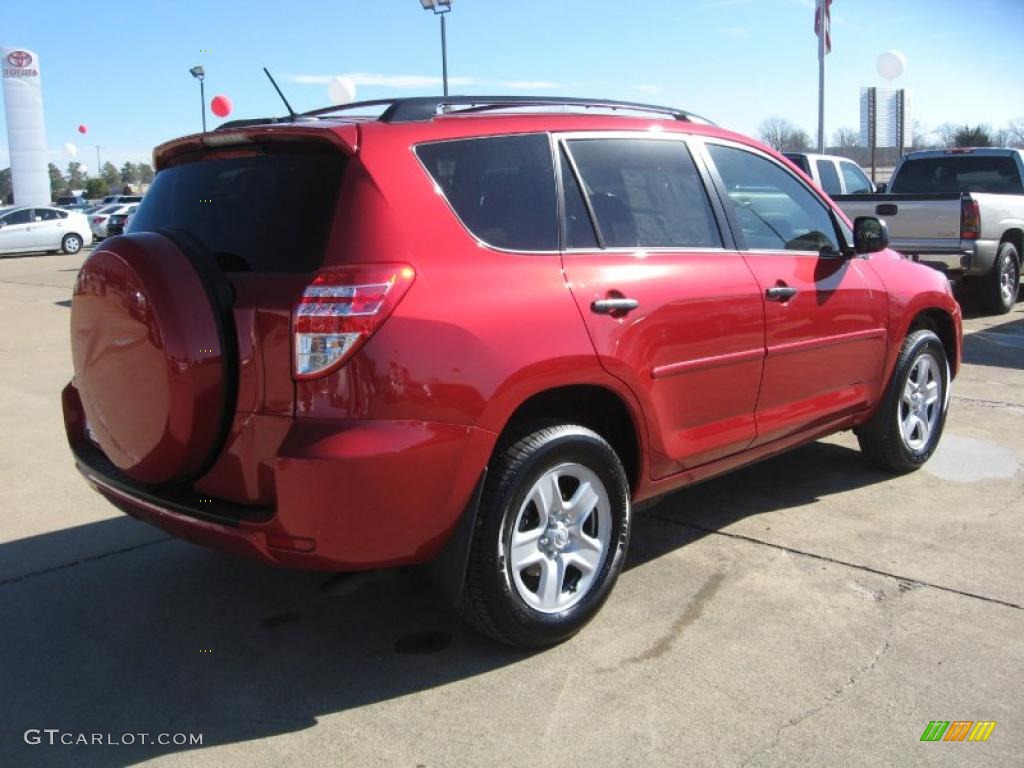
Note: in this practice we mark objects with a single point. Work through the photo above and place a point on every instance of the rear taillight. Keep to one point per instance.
(970, 219)
(340, 310)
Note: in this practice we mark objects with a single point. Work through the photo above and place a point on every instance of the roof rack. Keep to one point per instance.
(419, 108)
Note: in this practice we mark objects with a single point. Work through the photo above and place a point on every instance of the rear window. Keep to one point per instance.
(502, 188)
(958, 173)
(265, 213)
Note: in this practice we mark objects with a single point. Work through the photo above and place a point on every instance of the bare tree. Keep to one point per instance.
(846, 139)
(1015, 132)
(919, 135)
(782, 136)
(946, 134)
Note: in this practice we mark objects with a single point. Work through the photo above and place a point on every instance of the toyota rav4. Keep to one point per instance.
(477, 332)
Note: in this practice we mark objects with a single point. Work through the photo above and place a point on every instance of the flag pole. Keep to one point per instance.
(822, 21)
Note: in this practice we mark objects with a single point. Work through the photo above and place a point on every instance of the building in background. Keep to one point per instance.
(892, 117)
(26, 136)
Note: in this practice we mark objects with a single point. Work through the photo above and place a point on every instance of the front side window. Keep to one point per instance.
(23, 216)
(775, 211)
(829, 177)
(857, 183)
(502, 188)
(645, 193)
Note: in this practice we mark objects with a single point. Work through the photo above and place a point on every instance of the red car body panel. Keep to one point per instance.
(373, 464)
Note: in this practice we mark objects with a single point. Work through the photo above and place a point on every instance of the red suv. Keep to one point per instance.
(477, 332)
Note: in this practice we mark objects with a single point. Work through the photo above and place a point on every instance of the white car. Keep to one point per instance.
(98, 219)
(42, 228)
(834, 174)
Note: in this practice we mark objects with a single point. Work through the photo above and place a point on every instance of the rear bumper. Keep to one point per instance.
(964, 256)
(349, 495)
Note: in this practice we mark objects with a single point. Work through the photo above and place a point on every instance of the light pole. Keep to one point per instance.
(199, 74)
(441, 8)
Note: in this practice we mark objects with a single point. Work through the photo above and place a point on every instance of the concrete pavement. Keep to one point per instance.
(805, 611)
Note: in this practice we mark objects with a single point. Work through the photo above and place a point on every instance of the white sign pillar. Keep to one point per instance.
(26, 135)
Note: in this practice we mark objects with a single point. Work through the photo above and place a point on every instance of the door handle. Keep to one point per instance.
(887, 209)
(611, 306)
(780, 293)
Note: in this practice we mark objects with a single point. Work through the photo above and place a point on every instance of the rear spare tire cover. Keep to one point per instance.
(147, 346)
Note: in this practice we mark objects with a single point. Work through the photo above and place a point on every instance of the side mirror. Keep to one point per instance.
(881, 188)
(870, 235)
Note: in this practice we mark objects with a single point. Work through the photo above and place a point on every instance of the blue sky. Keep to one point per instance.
(123, 69)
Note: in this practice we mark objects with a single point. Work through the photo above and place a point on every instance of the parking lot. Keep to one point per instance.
(806, 610)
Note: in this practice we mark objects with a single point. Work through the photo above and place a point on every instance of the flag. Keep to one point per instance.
(828, 22)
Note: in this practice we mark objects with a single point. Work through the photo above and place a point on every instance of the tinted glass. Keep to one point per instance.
(47, 214)
(268, 213)
(829, 177)
(645, 193)
(800, 162)
(23, 216)
(579, 229)
(774, 209)
(502, 188)
(958, 173)
(857, 183)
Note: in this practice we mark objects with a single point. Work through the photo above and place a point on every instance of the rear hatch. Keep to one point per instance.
(186, 320)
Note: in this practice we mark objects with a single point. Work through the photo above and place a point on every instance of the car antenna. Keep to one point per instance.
(273, 82)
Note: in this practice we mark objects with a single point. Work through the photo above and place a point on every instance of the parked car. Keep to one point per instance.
(72, 203)
(42, 228)
(122, 199)
(98, 219)
(834, 174)
(961, 211)
(116, 222)
(495, 333)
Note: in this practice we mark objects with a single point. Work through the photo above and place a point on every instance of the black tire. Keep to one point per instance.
(491, 600)
(882, 439)
(71, 243)
(997, 291)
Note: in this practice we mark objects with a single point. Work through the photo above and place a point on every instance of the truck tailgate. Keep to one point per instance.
(911, 218)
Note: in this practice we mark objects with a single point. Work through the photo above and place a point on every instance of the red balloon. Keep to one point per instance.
(83, 129)
(221, 106)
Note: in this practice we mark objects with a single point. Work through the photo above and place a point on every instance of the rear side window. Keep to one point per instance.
(958, 173)
(579, 230)
(800, 162)
(829, 177)
(856, 181)
(645, 193)
(502, 188)
(48, 214)
(269, 212)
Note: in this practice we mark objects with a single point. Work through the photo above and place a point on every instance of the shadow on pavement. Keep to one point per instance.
(165, 637)
(1000, 345)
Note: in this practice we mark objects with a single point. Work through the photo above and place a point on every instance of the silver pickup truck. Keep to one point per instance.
(959, 210)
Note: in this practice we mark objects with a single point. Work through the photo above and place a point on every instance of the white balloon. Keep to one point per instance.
(341, 90)
(71, 149)
(891, 64)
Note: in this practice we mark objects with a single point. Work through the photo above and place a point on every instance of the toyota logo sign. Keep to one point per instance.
(20, 59)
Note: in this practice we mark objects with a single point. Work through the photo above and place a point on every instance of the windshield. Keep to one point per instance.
(958, 174)
(266, 213)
